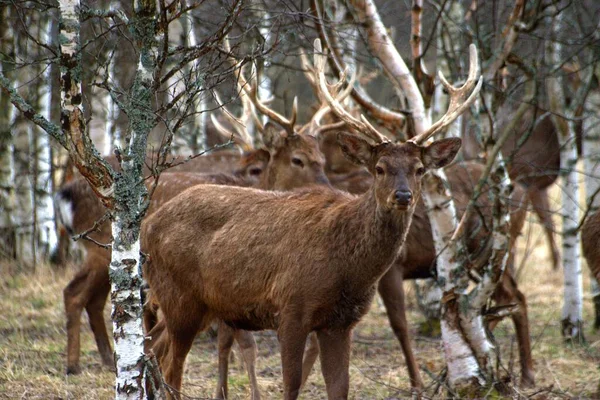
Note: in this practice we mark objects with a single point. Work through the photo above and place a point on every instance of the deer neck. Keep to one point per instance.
(375, 236)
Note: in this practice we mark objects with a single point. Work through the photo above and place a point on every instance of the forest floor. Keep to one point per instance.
(33, 341)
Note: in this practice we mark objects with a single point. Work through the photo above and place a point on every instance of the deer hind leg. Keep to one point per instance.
(181, 331)
(508, 293)
(292, 339)
(77, 295)
(247, 345)
(225, 337)
(310, 356)
(335, 361)
(541, 206)
(95, 307)
(392, 293)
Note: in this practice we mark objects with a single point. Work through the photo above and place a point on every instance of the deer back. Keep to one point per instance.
(532, 152)
(418, 254)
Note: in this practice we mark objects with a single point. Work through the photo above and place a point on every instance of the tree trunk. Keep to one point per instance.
(7, 165)
(572, 312)
(44, 221)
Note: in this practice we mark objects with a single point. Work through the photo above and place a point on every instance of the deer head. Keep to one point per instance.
(398, 168)
(295, 159)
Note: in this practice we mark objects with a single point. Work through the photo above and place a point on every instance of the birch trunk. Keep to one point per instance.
(198, 140)
(572, 312)
(125, 195)
(24, 195)
(131, 204)
(7, 165)
(265, 85)
(45, 220)
(429, 293)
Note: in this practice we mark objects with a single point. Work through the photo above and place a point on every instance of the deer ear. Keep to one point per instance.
(354, 148)
(273, 137)
(441, 152)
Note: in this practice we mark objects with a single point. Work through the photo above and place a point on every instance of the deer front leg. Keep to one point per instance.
(541, 206)
(392, 293)
(247, 345)
(310, 356)
(335, 360)
(292, 339)
(225, 337)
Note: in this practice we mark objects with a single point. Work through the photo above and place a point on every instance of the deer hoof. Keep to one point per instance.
(73, 369)
(527, 380)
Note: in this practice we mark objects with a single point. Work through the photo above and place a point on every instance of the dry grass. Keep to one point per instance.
(32, 346)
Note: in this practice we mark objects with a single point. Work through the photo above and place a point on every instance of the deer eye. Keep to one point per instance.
(379, 170)
(420, 171)
(298, 162)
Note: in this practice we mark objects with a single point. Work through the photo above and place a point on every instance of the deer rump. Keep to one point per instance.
(248, 289)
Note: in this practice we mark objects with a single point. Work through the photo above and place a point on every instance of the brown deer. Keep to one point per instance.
(536, 170)
(295, 262)
(590, 234)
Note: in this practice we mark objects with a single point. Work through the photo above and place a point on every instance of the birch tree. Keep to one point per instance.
(7, 165)
(572, 312)
(44, 220)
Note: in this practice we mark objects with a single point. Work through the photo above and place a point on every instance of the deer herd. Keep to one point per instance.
(296, 236)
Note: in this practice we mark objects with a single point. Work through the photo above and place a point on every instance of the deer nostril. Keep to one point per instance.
(403, 196)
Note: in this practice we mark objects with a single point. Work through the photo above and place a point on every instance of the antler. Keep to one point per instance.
(241, 137)
(460, 97)
(314, 126)
(287, 124)
(394, 118)
(362, 126)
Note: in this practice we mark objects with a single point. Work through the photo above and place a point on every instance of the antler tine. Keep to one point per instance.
(359, 126)
(460, 97)
(287, 124)
(226, 133)
(241, 135)
(315, 123)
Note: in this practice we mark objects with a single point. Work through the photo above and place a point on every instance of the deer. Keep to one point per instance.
(534, 169)
(302, 261)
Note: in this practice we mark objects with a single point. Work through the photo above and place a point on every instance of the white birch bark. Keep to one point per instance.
(198, 139)
(7, 165)
(572, 312)
(43, 183)
(429, 293)
(265, 85)
(128, 203)
(24, 196)
(125, 267)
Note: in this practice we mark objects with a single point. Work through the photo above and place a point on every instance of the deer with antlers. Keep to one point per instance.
(311, 265)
